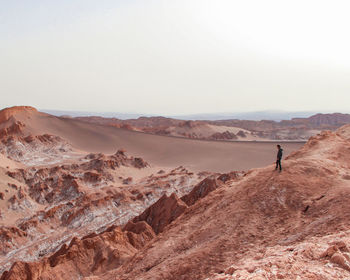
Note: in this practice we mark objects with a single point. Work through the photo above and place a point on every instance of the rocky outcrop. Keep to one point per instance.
(324, 120)
(55, 184)
(93, 254)
(11, 112)
(201, 190)
(14, 129)
(35, 150)
(233, 175)
(241, 134)
(208, 185)
(97, 253)
(139, 233)
(55, 203)
(227, 135)
(162, 213)
(99, 162)
(9, 235)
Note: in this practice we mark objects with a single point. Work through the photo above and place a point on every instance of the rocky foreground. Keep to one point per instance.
(268, 225)
(96, 216)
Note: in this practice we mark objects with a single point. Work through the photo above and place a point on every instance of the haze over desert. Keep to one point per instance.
(174, 140)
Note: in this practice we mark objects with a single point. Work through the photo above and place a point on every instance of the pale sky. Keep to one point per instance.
(175, 56)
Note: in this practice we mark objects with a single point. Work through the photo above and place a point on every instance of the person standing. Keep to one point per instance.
(279, 158)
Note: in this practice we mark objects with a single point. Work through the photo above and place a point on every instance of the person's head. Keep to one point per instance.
(278, 146)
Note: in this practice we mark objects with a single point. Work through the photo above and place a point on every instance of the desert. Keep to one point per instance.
(98, 202)
(174, 140)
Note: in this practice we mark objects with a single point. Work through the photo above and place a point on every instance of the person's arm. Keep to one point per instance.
(279, 154)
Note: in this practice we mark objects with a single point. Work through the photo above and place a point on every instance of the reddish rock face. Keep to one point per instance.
(230, 176)
(97, 253)
(162, 213)
(208, 185)
(91, 254)
(7, 113)
(99, 161)
(14, 129)
(201, 190)
(139, 233)
(8, 235)
(127, 181)
(223, 136)
(92, 177)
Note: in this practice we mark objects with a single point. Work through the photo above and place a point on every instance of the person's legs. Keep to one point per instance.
(276, 164)
(279, 163)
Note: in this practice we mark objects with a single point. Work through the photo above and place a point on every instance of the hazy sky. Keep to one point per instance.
(175, 56)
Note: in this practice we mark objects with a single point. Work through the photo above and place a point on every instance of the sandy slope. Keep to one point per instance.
(158, 150)
(8, 163)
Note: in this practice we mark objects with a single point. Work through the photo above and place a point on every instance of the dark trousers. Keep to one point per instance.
(278, 163)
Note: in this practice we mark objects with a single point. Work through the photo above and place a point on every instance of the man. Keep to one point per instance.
(279, 157)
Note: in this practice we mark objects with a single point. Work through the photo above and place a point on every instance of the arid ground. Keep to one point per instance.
(87, 200)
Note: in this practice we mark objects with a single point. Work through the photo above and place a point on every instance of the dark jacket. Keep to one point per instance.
(279, 153)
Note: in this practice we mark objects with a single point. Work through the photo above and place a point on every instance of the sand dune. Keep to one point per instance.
(158, 150)
(171, 151)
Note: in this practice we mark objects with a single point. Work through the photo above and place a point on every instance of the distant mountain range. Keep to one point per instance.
(256, 116)
(122, 116)
(295, 129)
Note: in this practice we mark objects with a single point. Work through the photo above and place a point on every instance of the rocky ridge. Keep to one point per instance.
(296, 129)
(97, 253)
